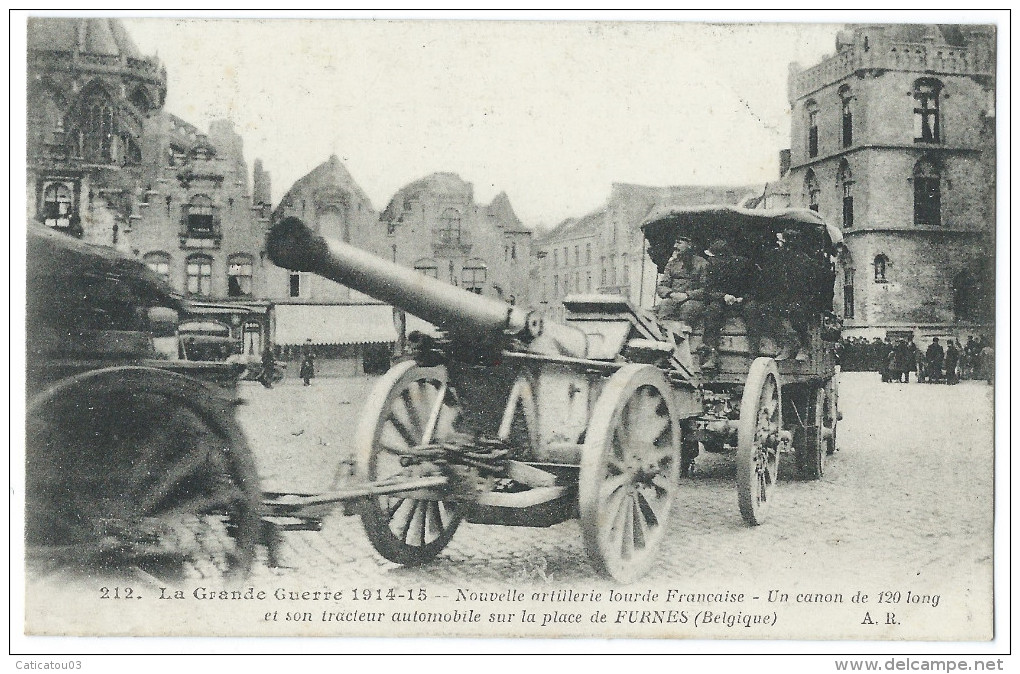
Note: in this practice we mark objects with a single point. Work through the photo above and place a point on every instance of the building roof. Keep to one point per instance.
(443, 184)
(330, 173)
(573, 227)
(502, 211)
(91, 35)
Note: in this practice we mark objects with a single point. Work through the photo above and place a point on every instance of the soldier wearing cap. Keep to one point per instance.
(788, 281)
(726, 285)
(682, 285)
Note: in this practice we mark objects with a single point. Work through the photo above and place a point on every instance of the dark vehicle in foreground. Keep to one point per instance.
(133, 455)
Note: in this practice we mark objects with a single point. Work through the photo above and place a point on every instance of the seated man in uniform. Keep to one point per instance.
(783, 286)
(800, 290)
(682, 285)
(726, 285)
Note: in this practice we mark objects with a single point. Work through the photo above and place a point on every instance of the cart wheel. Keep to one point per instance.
(141, 467)
(629, 472)
(831, 416)
(758, 430)
(409, 406)
(811, 456)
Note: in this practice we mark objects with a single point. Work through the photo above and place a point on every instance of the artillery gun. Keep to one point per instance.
(514, 420)
(510, 419)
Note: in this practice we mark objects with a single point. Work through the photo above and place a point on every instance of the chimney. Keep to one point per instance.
(784, 162)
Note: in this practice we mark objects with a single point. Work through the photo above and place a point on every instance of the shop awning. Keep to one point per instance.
(334, 324)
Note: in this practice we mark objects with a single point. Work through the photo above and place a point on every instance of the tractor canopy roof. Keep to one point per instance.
(749, 231)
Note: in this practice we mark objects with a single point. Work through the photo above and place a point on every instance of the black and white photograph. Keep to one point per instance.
(667, 327)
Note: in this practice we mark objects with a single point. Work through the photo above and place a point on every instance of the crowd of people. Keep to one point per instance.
(941, 361)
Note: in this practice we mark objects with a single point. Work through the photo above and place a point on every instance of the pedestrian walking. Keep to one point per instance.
(307, 371)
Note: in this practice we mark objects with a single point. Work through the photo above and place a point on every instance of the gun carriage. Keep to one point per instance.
(514, 420)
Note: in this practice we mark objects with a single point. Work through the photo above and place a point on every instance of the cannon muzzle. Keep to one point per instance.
(293, 245)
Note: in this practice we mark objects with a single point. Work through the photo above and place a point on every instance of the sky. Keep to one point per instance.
(550, 112)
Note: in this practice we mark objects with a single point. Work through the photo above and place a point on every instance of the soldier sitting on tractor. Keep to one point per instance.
(787, 282)
(682, 285)
(726, 286)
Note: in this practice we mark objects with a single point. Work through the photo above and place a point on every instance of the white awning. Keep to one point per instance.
(334, 324)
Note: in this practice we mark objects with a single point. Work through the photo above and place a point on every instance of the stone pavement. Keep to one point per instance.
(908, 497)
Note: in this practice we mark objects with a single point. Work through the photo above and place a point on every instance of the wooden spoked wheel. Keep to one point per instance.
(758, 438)
(140, 467)
(409, 406)
(811, 453)
(629, 472)
(831, 415)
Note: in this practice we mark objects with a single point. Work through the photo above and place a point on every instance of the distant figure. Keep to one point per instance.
(935, 357)
(268, 367)
(988, 363)
(952, 360)
(903, 361)
(307, 363)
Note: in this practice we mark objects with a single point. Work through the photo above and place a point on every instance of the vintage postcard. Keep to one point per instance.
(654, 329)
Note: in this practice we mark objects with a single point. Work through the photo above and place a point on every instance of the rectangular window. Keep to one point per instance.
(556, 285)
(588, 284)
(813, 133)
(199, 277)
(926, 117)
(556, 258)
(848, 127)
(295, 284)
(577, 255)
(848, 300)
(848, 211)
(239, 279)
(587, 253)
(927, 201)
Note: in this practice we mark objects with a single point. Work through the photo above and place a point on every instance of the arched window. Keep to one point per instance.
(812, 189)
(239, 275)
(159, 262)
(201, 214)
(57, 207)
(881, 267)
(199, 281)
(812, 120)
(428, 267)
(473, 275)
(95, 142)
(846, 115)
(449, 226)
(846, 182)
(927, 122)
(927, 193)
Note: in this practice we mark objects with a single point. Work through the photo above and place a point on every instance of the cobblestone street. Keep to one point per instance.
(907, 501)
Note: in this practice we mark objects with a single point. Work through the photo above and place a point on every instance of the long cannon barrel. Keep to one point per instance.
(293, 245)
